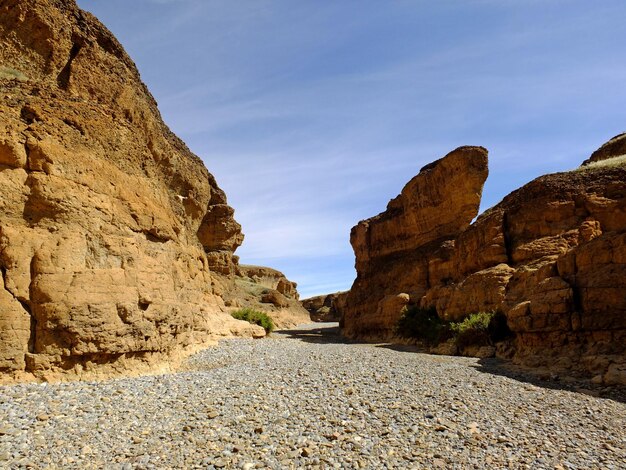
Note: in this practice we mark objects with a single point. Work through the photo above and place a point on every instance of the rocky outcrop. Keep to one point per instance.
(616, 147)
(551, 257)
(116, 243)
(394, 249)
(326, 308)
(268, 290)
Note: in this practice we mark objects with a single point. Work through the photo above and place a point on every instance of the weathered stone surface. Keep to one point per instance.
(438, 203)
(270, 279)
(393, 250)
(115, 240)
(326, 308)
(268, 290)
(551, 256)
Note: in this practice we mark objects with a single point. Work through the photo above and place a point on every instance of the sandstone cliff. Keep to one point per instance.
(551, 256)
(326, 308)
(116, 243)
(393, 250)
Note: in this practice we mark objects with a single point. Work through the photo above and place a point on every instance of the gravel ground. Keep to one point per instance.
(303, 400)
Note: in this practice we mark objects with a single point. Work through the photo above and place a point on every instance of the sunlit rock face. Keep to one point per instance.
(394, 250)
(116, 243)
(551, 256)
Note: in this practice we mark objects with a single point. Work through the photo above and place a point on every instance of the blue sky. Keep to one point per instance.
(312, 114)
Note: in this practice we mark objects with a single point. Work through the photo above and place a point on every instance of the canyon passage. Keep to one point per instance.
(466, 341)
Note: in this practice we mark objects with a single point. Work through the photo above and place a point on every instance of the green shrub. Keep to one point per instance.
(255, 317)
(479, 329)
(421, 323)
(475, 321)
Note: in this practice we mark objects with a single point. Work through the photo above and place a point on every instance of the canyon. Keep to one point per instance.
(117, 246)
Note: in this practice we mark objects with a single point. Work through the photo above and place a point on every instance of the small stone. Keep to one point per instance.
(219, 463)
(43, 417)
(258, 430)
(305, 452)
(212, 414)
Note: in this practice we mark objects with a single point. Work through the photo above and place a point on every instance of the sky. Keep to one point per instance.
(313, 114)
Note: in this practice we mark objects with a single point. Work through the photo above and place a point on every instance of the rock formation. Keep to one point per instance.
(268, 290)
(326, 308)
(393, 250)
(551, 256)
(116, 243)
(616, 147)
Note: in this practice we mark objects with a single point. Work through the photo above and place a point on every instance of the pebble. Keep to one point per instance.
(289, 402)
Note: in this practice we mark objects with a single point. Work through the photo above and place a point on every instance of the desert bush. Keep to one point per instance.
(480, 329)
(421, 323)
(473, 330)
(255, 317)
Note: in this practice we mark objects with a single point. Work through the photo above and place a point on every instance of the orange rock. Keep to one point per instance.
(116, 243)
(398, 250)
(551, 256)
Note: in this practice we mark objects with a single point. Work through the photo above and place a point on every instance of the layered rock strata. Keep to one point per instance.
(116, 243)
(326, 308)
(551, 256)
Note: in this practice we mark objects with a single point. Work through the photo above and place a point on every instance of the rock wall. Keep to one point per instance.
(326, 308)
(116, 243)
(551, 256)
(393, 250)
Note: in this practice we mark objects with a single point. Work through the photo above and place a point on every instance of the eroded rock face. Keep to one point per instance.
(550, 256)
(326, 308)
(393, 249)
(115, 240)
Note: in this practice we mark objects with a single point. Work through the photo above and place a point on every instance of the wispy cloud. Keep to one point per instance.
(312, 115)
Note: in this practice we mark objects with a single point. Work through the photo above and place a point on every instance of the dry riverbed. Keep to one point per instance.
(305, 399)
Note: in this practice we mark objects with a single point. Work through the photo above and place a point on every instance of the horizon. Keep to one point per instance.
(312, 117)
